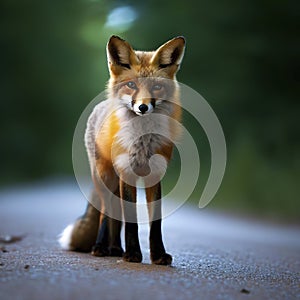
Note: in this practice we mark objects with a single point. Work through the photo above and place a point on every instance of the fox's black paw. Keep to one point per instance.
(162, 259)
(133, 256)
(116, 251)
(100, 250)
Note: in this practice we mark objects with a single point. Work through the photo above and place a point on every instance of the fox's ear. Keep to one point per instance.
(169, 55)
(120, 55)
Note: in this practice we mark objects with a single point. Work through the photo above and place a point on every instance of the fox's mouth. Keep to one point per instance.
(141, 114)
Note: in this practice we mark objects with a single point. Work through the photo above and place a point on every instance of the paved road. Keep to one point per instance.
(215, 256)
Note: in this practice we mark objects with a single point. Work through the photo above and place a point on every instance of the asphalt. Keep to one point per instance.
(216, 256)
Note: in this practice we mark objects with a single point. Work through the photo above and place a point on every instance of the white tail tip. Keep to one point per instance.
(65, 237)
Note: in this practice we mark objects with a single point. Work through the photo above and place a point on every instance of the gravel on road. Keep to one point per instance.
(215, 256)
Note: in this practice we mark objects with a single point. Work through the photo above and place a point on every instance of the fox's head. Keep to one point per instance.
(143, 80)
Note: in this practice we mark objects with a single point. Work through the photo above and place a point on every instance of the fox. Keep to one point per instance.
(129, 138)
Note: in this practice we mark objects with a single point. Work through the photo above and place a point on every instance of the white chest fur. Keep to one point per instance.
(142, 136)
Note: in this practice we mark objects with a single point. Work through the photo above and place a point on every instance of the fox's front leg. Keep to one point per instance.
(157, 250)
(133, 251)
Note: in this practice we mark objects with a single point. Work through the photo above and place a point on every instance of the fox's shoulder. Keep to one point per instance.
(94, 122)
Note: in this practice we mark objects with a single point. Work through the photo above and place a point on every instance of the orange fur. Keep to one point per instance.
(138, 129)
(142, 65)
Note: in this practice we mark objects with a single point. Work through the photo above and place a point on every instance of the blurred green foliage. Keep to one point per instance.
(242, 56)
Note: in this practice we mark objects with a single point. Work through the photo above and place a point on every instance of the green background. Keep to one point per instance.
(241, 56)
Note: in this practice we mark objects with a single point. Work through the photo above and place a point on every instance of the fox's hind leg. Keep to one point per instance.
(108, 240)
(101, 246)
(115, 225)
(157, 250)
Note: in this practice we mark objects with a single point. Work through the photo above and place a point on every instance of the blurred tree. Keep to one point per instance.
(47, 78)
(241, 56)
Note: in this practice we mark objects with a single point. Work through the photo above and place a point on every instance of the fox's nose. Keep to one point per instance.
(143, 108)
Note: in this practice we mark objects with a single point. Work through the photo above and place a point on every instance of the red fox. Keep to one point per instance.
(129, 136)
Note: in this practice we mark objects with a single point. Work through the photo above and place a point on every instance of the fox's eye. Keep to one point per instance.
(131, 85)
(157, 87)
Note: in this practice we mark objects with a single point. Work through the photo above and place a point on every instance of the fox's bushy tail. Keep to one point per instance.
(81, 235)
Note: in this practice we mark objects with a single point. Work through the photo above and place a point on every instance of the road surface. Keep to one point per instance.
(215, 256)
